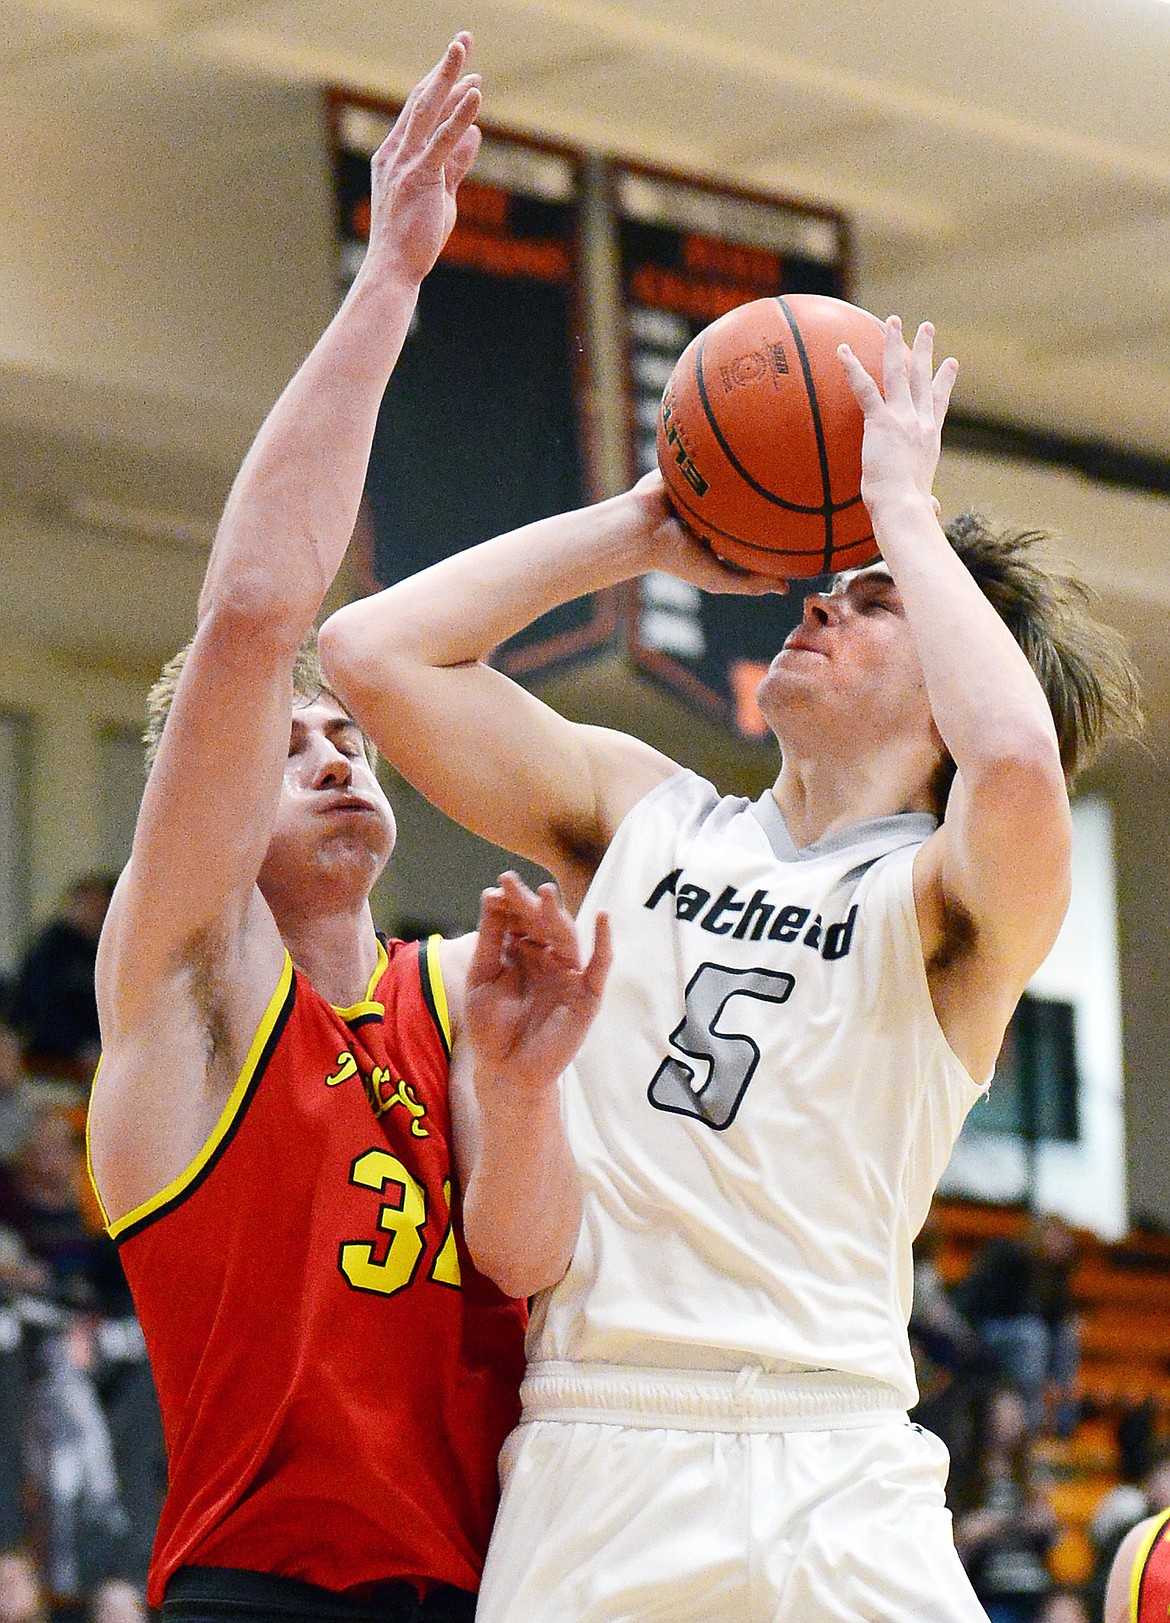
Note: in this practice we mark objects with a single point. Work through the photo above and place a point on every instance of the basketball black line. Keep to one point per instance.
(820, 510)
(771, 552)
(818, 428)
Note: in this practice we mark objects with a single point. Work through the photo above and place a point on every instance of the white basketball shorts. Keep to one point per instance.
(666, 1496)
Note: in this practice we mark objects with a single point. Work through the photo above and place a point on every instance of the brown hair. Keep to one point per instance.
(1082, 664)
(307, 681)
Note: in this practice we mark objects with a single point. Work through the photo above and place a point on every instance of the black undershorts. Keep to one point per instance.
(231, 1595)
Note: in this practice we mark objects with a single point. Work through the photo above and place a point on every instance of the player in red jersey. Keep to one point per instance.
(1139, 1580)
(287, 1106)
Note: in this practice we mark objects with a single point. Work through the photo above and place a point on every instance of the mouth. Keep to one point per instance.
(348, 804)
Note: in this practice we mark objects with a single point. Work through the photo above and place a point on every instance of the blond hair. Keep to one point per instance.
(308, 683)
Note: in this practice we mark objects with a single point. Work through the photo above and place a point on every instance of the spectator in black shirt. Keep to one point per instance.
(1018, 1298)
(54, 1006)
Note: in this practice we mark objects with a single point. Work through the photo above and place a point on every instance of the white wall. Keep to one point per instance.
(1084, 1181)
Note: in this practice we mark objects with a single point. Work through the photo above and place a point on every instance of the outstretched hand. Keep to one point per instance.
(415, 173)
(903, 419)
(677, 550)
(530, 999)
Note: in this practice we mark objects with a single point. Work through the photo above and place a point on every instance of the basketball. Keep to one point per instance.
(759, 436)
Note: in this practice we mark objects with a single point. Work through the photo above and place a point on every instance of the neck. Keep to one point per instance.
(337, 951)
(818, 797)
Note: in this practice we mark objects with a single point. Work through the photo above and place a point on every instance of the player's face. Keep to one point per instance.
(333, 819)
(852, 654)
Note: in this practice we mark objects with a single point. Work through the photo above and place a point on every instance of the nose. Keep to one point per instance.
(821, 609)
(331, 769)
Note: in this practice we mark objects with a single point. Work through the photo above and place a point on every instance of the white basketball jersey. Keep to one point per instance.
(765, 1102)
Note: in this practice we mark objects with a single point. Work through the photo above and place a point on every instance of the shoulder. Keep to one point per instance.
(454, 954)
(1131, 1555)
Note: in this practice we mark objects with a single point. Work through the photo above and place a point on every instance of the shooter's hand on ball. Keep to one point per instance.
(415, 173)
(904, 418)
(676, 550)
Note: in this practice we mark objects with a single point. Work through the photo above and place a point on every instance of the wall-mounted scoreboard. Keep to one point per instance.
(689, 253)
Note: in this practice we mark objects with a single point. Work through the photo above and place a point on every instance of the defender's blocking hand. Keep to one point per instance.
(530, 999)
(415, 173)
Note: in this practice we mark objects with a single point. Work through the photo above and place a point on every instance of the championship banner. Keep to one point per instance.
(482, 427)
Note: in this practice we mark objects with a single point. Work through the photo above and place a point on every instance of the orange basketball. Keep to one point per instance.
(759, 436)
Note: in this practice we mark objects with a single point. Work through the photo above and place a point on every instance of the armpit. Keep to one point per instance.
(957, 940)
(201, 961)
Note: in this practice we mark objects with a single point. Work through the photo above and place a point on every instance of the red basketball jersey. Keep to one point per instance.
(1150, 1585)
(335, 1378)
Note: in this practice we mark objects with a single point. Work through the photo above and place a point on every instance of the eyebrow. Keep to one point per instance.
(343, 725)
(881, 583)
(335, 727)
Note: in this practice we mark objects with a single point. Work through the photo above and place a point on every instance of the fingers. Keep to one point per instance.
(907, 373)
(490, 945)
(447, 138)
(895, 372)
(944, 382)
(601, 958)
(919, 363)
(427, 104)
(537, 921)
(462, 158)
(865, 389)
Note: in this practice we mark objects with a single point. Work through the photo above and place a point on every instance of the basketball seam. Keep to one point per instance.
(818, 429)
(754, 546)
(825, 509)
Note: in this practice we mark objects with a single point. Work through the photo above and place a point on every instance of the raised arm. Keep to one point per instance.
(188, 930)
(992, 885)
(411, 664)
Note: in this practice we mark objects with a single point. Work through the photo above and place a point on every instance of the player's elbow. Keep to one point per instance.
(1020, 788)
(521, 1253)
(353, 658)
(518, 1271)
(1019, 756)
(247, 622)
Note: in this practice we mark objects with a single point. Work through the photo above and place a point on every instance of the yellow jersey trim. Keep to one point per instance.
(433, 983)
(369, 1004)
(1138, 1571)
(223, 1126)
(97, 1195)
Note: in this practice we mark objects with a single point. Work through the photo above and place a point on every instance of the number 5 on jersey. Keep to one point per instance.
(726, 1058)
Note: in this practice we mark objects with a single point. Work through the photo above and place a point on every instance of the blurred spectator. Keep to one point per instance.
(94, 1440)
(935, 1320)
(1065, 1606)
(20, 1593)
(1005, 1533)
(16, 1106)
(40, 1201)
(951, 1366)
(54, 1006)
(1018, 1298)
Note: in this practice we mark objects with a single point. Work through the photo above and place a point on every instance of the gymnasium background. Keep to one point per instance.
(169, 250)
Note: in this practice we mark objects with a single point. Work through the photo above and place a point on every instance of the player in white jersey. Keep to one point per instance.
(808, 993)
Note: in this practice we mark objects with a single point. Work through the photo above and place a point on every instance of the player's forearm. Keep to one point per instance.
(292, 508)
(985, 698)
(522, 1205)
(457, 611)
